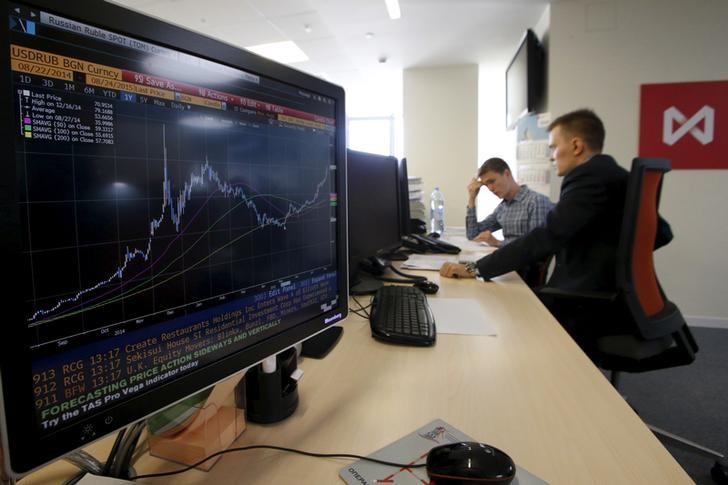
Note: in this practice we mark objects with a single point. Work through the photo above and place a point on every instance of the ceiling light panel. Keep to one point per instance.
(393, 9)
(286, 52)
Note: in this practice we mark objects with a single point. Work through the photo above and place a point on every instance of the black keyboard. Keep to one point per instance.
(400, 314)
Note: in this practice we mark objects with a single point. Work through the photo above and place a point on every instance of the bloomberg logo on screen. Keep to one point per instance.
(683, 122)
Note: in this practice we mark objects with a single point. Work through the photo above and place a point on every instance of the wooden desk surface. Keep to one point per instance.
(529, 391)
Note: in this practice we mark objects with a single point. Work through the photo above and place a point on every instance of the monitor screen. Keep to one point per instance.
(404, 202)
(524, 79)
(374, 220)
(172, 209)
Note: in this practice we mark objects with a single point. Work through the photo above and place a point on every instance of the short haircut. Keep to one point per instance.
(583, 123)
(495, 164)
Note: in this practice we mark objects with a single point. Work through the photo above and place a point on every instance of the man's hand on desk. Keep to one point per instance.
(488, 238)
(455, 270)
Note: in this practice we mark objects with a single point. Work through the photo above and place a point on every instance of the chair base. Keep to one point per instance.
(719, 472)
(688, 445)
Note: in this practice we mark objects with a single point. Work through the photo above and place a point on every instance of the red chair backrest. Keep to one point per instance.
(643, 269)
(652, 313)
(635, 271)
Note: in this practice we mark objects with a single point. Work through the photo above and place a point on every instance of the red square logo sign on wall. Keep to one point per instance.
(685, 122)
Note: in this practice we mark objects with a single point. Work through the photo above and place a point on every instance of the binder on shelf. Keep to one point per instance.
(416, 197)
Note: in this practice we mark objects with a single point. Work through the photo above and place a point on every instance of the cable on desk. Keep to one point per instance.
(363, 309)
(119, 461)
(84, 461)
(123, 460)
(357, 312)
(113, 453)
(140, 450)
(387, 279)
(410, 277)
(280, 448)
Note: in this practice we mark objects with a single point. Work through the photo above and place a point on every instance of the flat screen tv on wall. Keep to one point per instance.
(524, 79)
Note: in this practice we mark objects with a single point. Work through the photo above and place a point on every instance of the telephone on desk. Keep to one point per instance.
(424, 244)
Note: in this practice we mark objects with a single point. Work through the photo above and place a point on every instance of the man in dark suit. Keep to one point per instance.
(582, 230)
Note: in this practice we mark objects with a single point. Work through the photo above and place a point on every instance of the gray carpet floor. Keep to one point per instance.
(690, 401)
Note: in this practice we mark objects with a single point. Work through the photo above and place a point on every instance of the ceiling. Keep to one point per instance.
(429, 32)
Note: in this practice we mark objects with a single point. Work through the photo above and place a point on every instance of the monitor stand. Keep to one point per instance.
(365, 285)
(271, 388)
(321, 344)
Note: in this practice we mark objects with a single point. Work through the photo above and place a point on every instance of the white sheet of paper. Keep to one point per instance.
(428, 261)
(460, 316)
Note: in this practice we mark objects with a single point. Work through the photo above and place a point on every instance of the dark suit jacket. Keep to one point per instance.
(582, 230)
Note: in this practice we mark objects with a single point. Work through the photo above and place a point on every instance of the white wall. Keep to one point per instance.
(599, 55)
(378, 95)
(493, 138)
(440, 132)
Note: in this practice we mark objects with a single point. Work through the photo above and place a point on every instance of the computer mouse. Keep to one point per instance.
(427, 287)
(469, 463)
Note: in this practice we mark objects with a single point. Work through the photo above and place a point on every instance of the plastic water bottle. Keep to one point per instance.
(437, 211)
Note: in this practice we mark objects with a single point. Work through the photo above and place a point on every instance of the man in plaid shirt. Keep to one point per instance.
(521, 210)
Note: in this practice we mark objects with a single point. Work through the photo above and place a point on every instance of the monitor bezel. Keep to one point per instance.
(25, 450)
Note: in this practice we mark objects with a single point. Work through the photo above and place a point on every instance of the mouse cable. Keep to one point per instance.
(280, 448)
(408, 276)
(398, 280)
(362, 311)
(359, 313)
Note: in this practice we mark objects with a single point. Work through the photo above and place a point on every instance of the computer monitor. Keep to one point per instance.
(525, 76)
(374, 220)
(172, 211)
(404, 202)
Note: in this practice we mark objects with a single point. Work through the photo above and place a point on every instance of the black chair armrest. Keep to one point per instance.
(593, 296)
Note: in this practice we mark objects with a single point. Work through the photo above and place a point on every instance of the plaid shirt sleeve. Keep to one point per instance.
(473, 227)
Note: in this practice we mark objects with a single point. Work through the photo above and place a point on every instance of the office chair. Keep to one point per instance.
(656, 335)
(536, 274)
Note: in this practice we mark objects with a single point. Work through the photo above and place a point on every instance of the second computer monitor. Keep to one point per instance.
(404, 207)
(374, 219)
